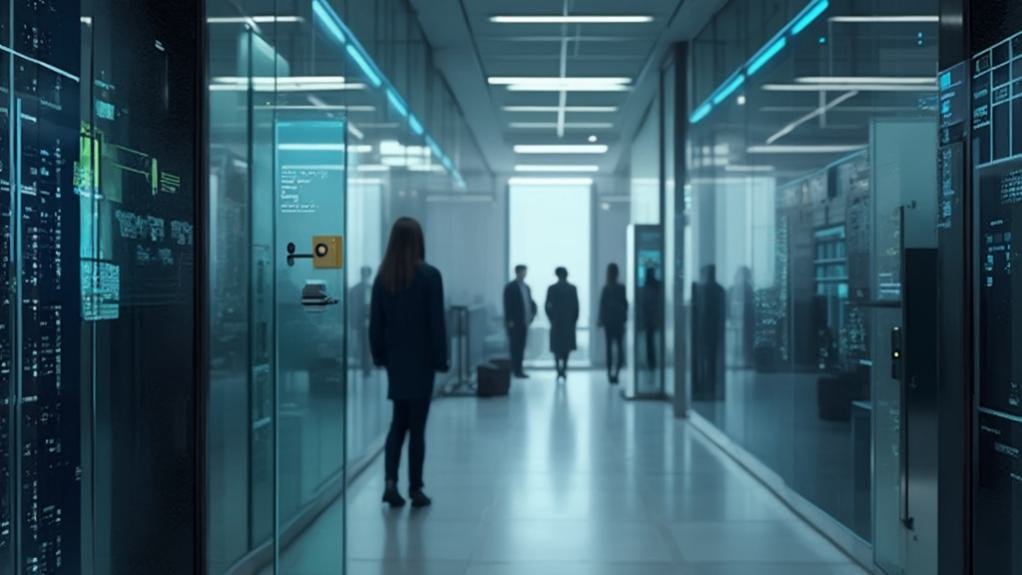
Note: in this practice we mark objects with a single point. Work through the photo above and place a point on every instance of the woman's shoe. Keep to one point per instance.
(393, 498)
(419, 499)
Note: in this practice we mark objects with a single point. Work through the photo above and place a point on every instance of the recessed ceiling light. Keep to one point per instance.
(561, 149)
(923, 80)
(885, 19)
(592, 139)
(568, 125)
(740, 168)
(562, 87)
(520, 181)
(570, 109)
(556, 168)
(249, 19)
(849, 87)
(741, 99)
(831, 149)
(588, 81)
(576, 19)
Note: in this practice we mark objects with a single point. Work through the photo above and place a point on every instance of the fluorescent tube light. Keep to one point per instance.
(561, 149)
(415, 125)
(525, 181)
(568, 125)
(558, 87)
(743, 169)
(558, 168)
(525, 80)
(362, 63)
(310, 147)
(808, 149)
(729, 89)
(810, 16)
(397, 103)
(256, 19)
(916, 80)
(570, 109)
(886, 19)
(328, 19)
(766, 55)
(848, 88)
(577, 19)
(701, 112)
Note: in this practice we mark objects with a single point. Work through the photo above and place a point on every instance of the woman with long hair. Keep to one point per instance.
(613, 315)
(408, 337)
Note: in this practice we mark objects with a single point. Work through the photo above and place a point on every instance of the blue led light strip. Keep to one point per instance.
(768, 52)
(335, 27)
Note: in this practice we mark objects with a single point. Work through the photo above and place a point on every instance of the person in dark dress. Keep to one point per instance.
(519, 312)
(613, 315)
(652, 315)
(562, 310)
(408, 337)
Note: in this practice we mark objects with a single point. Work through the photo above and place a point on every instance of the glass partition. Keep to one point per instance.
(812, 148)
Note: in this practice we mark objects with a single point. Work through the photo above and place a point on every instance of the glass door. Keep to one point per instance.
(310, 290)
(903, 345)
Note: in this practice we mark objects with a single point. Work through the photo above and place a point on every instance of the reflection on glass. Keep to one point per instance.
(795, 224)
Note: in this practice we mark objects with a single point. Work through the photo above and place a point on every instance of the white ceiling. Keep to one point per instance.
(468, 48)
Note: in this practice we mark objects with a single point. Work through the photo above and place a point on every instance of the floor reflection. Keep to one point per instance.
(571, 479)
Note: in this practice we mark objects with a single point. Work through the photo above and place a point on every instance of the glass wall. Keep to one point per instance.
(327, 122)
(812, 148)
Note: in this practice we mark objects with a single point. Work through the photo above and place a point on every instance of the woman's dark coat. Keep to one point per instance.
(408, 334)
(562, 309)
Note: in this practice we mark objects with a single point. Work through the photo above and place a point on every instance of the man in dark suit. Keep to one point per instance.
(519, 311)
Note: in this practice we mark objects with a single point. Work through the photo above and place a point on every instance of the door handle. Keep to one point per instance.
(292, 256)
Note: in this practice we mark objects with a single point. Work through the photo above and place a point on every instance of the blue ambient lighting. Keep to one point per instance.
(396, 102)
(701, 112)
(810, 17)
(328, 21)
(729, 89)
(415, 125)
(759, 61)
(359, 59)
(334, 25)
(813, 10)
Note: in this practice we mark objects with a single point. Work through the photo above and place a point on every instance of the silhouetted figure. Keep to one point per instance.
(613, 315)
(408, 335)
(359, 298)
(742, 313)
(519, 311)
(652, 315)
(562, 310)
(708, 304)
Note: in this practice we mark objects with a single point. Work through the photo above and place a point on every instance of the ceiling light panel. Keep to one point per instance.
(556, 168)
(561, 149)
(569, 109)
(527, 181)
(573, 19)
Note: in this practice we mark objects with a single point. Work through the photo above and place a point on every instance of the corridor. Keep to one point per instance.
(573, 480)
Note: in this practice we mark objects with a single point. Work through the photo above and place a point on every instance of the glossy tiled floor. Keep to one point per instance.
(572, 480)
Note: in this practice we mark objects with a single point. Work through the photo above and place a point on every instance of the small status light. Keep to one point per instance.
(823, 39)
(741, 99)
(593, 139)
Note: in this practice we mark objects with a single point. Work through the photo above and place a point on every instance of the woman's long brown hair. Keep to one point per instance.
(406, 249)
